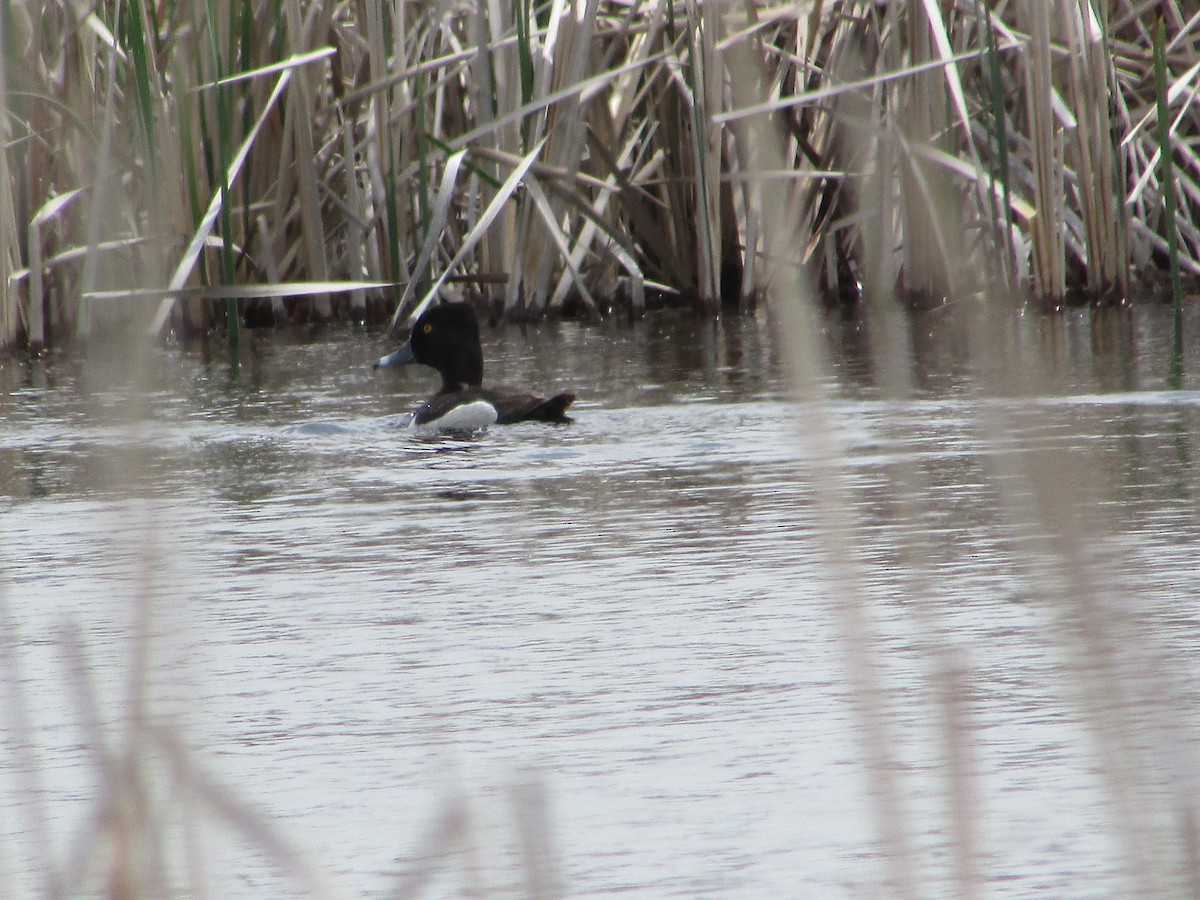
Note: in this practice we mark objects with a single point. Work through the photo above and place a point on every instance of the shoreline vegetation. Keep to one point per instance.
(190, 166)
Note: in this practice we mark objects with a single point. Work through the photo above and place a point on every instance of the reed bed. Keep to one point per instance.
(267, 161)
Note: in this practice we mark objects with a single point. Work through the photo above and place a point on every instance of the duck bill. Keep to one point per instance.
(401, 357)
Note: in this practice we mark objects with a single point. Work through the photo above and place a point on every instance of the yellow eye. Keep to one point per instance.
(427, 329)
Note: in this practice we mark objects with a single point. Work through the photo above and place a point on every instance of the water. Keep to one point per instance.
(627, 650)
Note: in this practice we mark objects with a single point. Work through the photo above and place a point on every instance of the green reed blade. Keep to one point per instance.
(135, 36)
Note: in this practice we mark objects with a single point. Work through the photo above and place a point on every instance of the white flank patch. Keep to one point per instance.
(474, 416)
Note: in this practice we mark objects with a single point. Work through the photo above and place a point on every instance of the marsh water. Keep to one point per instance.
(667, 650)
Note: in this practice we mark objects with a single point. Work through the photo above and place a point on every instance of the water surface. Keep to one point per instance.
(632, 643)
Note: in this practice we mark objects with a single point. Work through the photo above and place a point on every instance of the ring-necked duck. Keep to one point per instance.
(446, 337)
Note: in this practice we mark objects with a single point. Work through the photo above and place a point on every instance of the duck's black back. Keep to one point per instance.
(515, 405)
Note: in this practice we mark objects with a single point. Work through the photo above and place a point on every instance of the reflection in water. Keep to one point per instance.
(352, 626)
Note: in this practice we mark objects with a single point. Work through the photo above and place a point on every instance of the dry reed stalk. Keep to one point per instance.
(998, 204)
(187, 262)
(1167, 182)
(931, 230)
(382, 154)
(598, 224)
(704, 73)
(794, 301)
(22, 762)
(548, 61)
(500, 202)
(511, 76)
(1096, 166)
(670, 212)
(1058, 497)
(35, 323)
(356, 216)
(300, 107)
(10, 239)
(1049, 267)
(549, 222)
(638, 171)
(568, 48)
(889, 337)
(437, 223)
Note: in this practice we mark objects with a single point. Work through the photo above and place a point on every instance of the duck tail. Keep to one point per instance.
(554, 409)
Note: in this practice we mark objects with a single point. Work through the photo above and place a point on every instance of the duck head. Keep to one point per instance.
(446, 338)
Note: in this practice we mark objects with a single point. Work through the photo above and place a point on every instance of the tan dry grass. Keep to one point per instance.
(644, 177)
